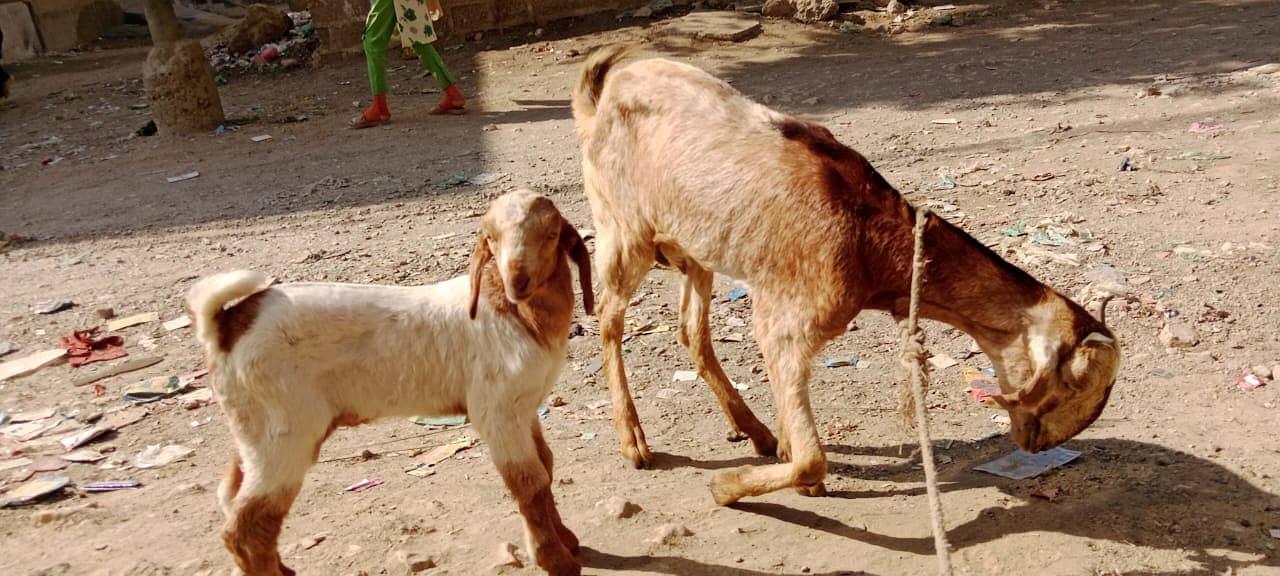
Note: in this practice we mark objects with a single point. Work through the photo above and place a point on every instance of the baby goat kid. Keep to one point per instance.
(293, 362)
(680, 168)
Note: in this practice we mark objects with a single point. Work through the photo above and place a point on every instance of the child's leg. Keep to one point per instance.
(378, 28)
(453, 102)
(432, 61)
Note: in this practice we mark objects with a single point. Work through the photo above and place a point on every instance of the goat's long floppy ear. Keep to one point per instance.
(571, 242)
(1029, 396)
(479, 258)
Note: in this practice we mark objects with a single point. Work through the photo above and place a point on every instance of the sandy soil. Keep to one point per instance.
(1179, 476)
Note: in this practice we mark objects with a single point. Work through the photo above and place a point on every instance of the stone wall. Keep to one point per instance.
(339, 23)
(63, 24)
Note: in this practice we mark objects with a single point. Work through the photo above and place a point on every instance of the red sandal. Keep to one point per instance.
(376, 115)
(453, 102)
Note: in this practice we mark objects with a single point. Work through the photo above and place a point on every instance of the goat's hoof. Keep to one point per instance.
(561, 566)
(765, 445)
(815, 491)
(639, 455)
(726, 487)
(736, 436)
(569, 539)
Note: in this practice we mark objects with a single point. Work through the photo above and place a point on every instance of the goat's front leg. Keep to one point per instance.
(567, 537)
(695, 336)
(621, 270)
(788, 350)
(515, 453)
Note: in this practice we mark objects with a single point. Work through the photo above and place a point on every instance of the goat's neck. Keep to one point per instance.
(971, 288)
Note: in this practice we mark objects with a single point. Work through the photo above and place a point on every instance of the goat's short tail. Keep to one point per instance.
(591, 82)
(212, 294)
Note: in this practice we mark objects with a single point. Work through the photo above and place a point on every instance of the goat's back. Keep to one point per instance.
(746, 191)
(382, 351)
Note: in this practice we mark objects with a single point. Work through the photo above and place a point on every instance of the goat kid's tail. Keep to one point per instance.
(591, 82)
(212, 294)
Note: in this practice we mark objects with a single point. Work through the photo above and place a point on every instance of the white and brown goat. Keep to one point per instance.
(293, 362)
(682, 169)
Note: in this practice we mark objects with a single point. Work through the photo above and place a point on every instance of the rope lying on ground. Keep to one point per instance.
(913, 360)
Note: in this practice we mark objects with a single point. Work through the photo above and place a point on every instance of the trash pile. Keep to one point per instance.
(265, 39)
(50, 449)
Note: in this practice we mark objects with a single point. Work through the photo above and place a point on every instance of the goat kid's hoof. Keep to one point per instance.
(818, 490)
(726, 487)
(736, 436)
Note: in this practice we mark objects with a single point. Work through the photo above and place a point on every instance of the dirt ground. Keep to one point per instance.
(1017, 114)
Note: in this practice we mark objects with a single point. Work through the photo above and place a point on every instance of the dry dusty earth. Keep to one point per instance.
(1179, 476)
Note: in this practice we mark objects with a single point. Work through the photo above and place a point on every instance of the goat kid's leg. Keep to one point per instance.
(621, 270)
(695, 336)
(516, 455)
(273, 470)
(787, 353)
(567, 537)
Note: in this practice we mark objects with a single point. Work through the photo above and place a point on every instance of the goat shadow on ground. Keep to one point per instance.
(678, 566)
(1123, 491)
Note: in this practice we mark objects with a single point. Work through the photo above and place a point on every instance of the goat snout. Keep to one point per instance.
(519, 285)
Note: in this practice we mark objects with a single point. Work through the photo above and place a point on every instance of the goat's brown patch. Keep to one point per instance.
(235, 321)
(235, 477)
(252, 533)
(547, 313)
(875, 238)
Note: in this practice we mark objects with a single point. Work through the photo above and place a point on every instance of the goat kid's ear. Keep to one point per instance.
(479, 258)
(572, 244)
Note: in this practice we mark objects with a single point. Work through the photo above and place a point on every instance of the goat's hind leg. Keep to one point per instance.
(695, 336)
(621, 268)
(273, 469)
(788, 347)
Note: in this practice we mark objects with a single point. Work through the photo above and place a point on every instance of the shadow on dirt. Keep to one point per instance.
(1138, 494)
(678, 566)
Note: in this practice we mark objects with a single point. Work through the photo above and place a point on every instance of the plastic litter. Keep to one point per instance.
(684, 376)
(982, 384)
(181, 177)
(441, 453)
(161, 387)
(33, 490)
(53, 306)
(84, 348)
(737, 294)
(1249, 381)
(155, 456)
(588, 436)
(453, 420)
(363, 485)
(110, 486)
(840, 363)
(1020, 465)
